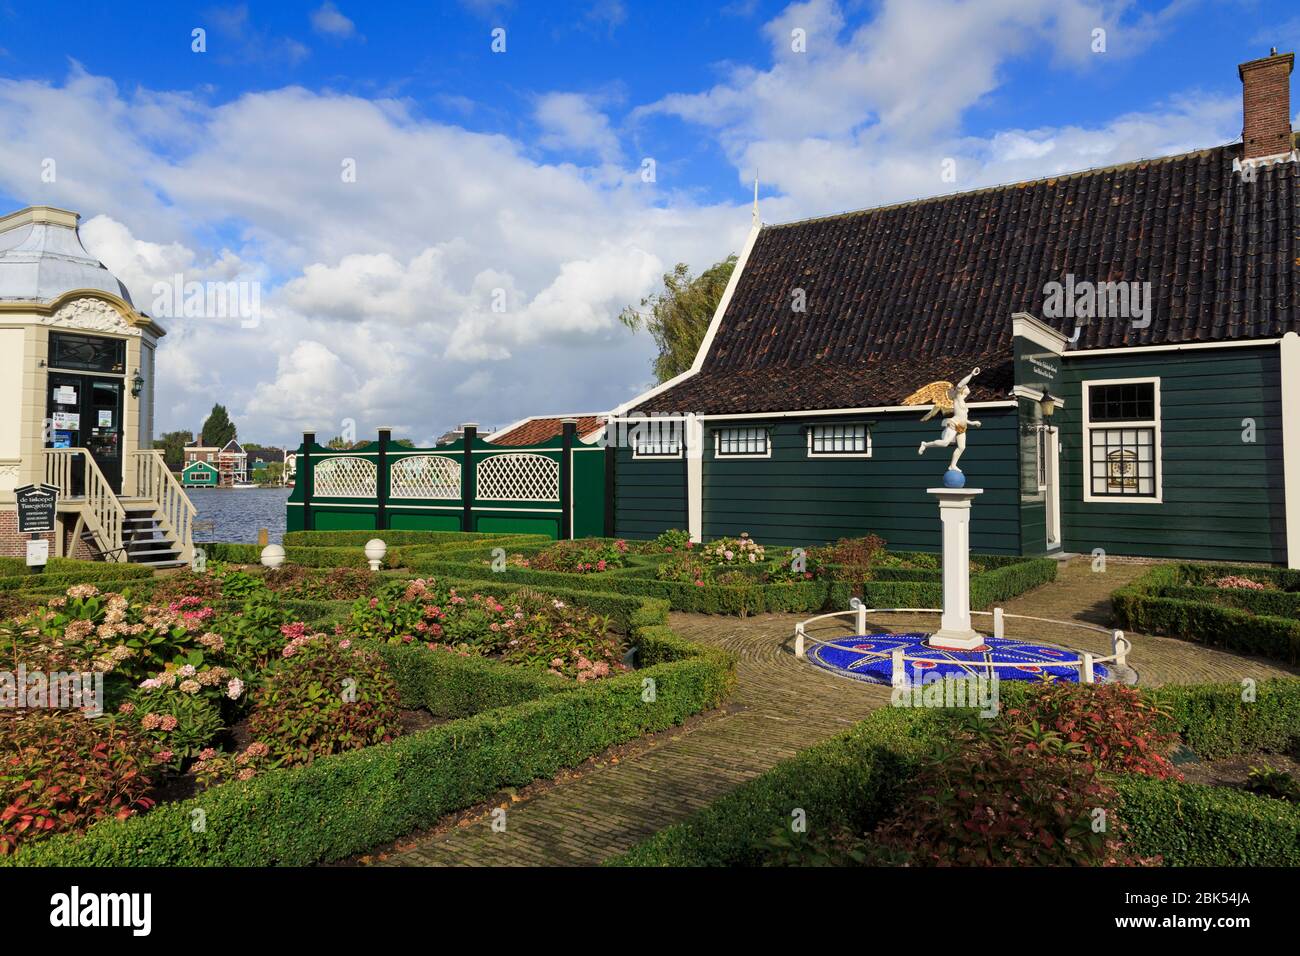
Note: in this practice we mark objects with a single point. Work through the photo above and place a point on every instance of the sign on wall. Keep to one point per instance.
(36, 507)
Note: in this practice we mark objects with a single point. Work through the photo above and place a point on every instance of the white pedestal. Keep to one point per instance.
(955, 631)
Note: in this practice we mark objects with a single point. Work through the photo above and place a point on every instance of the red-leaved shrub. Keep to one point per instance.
(60, 771)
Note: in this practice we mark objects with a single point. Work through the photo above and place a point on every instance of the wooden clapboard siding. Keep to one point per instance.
(650, 496)
(1223, 497)
(792, 499)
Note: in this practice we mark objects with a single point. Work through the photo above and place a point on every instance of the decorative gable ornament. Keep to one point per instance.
(90, 315)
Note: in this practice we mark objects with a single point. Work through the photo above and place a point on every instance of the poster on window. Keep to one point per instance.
(105, 418)
(65, 395)
(69, 421)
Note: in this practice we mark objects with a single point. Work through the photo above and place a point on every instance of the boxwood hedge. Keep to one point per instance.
(1158, 602)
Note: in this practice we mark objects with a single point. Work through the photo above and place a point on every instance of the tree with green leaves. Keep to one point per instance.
(678, 317)
(173, 448)
(218, 430)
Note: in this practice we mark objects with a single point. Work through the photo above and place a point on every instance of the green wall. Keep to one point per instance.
(791, 499)
(1223, 497)
(651, 495)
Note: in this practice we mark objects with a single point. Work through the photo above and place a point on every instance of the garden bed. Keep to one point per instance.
(858, 782)
(469, 721)
(1249, 610)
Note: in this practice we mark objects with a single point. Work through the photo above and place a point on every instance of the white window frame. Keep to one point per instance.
(1156, 448)
(1042, 449)
(839, 454)
(676, 428)
(717, 442)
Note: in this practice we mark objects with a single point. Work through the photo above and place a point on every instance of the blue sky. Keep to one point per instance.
(517, 174)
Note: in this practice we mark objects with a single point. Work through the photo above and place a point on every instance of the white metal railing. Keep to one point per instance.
(103, 514)
(174, 510)
(1085, 662)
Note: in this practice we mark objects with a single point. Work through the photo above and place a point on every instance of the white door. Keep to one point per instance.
(1049, 481)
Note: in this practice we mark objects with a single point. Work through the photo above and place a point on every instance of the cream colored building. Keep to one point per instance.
(77, 363)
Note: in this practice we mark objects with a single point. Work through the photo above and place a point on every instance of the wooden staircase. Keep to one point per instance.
(152, 527)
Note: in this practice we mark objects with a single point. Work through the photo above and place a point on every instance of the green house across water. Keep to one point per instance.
(199, 474)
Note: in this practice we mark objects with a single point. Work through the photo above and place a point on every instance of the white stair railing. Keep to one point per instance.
(174, 510)
(103, 513)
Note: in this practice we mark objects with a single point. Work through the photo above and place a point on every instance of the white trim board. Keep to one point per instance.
(1183, 347)
(1290, 354)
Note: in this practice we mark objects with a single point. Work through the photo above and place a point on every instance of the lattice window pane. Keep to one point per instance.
(518, 477)
(742, 441)
(424, 476)
(344, 477)
(1123, 462)
(839, 440)
(658, 439)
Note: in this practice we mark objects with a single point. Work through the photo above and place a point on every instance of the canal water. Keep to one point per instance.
(237, 514)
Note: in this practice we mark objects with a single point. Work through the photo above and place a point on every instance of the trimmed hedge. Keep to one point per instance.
(1193, 825)
(1143, 606)
(987, 588)
(346, 803)
(856, 778)
(65, 572)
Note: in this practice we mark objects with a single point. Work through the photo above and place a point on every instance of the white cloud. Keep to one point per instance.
(327, 19)
(572, 121)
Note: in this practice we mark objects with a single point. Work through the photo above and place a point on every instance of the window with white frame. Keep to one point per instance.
(1122, 440)
(839, 441)
(1044, 446)
(657, 439)
(741, 443)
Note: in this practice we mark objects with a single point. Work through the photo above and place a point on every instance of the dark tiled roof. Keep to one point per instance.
(542, 429)
(921, 283)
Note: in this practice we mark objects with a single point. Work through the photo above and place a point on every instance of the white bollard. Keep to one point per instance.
(861, 618)
(999, 625)
(1088, 677)
(898, 669)
(798, 640)
(1121, 645)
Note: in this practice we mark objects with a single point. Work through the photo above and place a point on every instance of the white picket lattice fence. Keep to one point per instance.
(518, 477)
(424, 476)
(344, 477)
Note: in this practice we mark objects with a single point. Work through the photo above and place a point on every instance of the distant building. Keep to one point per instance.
(200, 474)
(232, 464)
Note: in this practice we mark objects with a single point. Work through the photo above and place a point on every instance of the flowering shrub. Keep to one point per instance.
(60, 772)
(580, 556)
(87, 630)
(1237, 581)
(672, 541)
(733, 552)
(1007, 795)
(179, 722)
(325, 697)
(685, 568)
(546, 632)
(1110, 725)
(252, 637)
(215, 766)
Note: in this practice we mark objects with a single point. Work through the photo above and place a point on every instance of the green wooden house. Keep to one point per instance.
(200, 474)
(1135, 328)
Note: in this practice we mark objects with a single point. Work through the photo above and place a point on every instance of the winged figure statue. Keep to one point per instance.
(949, 399)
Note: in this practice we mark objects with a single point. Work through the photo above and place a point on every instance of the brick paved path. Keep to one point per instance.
(781, 706)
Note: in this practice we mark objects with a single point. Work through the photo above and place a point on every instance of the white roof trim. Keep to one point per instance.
(714, 324)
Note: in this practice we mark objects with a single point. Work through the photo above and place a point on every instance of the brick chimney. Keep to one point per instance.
(1266, 105)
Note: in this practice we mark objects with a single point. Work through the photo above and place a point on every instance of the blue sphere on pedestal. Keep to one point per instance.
(952, 478)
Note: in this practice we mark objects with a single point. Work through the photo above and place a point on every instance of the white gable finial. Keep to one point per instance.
(755, 216)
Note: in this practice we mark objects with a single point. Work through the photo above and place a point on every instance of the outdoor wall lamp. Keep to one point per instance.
(137, 384)
(1048, 404)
